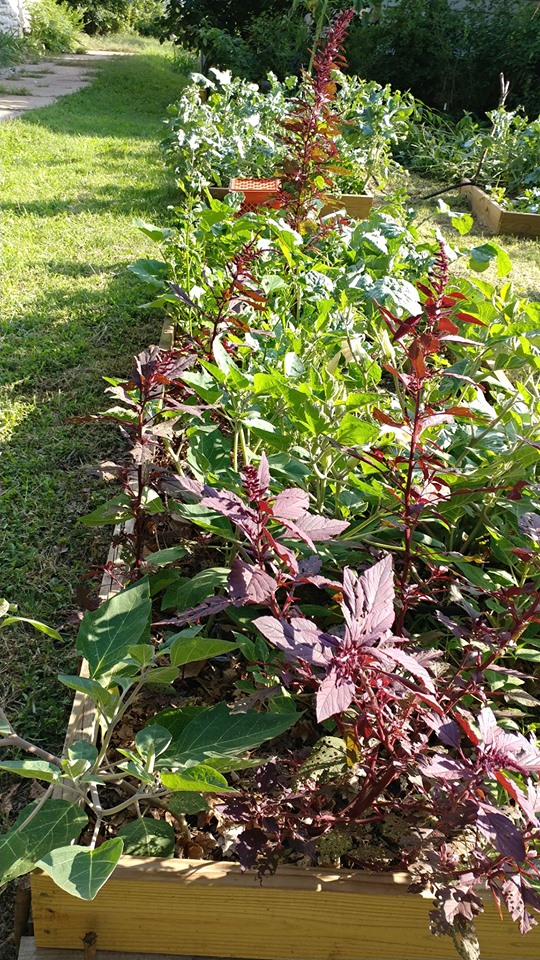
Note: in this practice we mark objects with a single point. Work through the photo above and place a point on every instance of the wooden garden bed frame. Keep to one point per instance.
(179, 908)
(357, 205)
(497, 218)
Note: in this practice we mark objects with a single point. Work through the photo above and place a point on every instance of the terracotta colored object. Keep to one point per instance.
(257, 192)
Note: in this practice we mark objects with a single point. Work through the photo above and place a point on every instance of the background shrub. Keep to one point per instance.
(451, 58)
(54, 27)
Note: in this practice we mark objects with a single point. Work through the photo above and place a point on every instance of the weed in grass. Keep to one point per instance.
(6, 91)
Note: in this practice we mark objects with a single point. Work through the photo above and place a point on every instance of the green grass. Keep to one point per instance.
(13, 91)
(76, 175)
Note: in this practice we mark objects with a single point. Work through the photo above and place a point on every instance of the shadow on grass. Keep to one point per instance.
(100, 200)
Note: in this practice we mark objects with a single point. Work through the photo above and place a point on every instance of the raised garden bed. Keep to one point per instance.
(357, 206)
(180, 907)
(497, 218)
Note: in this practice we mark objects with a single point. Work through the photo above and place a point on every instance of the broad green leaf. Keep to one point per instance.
(102, 696)
(202, 779)
(187, 802)
(116, 510)
(81, 871)
(152, 741)
(162, 557)
(354, 432)
(106, 634)
(189, 649)
(82, 755)
(162, 675)
(185, 594)
(175, 719)
(216, 732)
(55, 824)
(34, 769)
(157, 234)
(147, 837)
(150, 271)
(37, 624)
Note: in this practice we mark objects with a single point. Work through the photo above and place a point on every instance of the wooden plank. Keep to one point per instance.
(215, 910)
(29, 951)
(498, 219)
(521, 224)
(357, 206)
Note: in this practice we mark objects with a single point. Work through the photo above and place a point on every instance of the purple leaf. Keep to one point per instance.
(263, 473)
(249, 845)
(232, 507)
(334, 695)
(407, 661)
(290, 504)
(368, 601)
(300, 639)
(506, 836)
(249, 584)
(207, 608)
(529, 524)
(319, 528)
(444, 768)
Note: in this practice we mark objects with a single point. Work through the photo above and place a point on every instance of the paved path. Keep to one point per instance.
(25, 86)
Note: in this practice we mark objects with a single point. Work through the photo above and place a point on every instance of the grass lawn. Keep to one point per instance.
(76, 175)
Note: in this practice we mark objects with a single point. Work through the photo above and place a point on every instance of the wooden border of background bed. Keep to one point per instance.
(179, 908)
(497, 218)
(357, 205)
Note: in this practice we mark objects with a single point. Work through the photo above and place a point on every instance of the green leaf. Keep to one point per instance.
(162, 675)
(82, 755)
(150, 271)
(157, 234)
(185, 594)
(147, 837)
(81, 871)
(201, 779)
(216, 732)
(106, 634)
(152, 741)
(55, 824)
(176, 719)
(113, 511)
(482, 255)
(162, 557)
(37, 624)
(354, 432)
(189, 649)
(102, 696)
(34, 769)
(187, 803)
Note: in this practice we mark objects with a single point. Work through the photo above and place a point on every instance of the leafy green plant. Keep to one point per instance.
(173, 763)
(504, 155)
(54, 27)
(224, 127)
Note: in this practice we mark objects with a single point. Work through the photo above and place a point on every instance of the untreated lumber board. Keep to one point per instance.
(29, 951)
(357, 206)
(215, 910)
(497, 218)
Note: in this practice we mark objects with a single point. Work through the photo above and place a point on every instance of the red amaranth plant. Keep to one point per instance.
(309, 134)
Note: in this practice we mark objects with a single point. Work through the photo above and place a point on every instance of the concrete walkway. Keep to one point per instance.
(26, 86)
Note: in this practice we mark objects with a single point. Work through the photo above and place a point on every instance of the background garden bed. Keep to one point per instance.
(497, 218)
